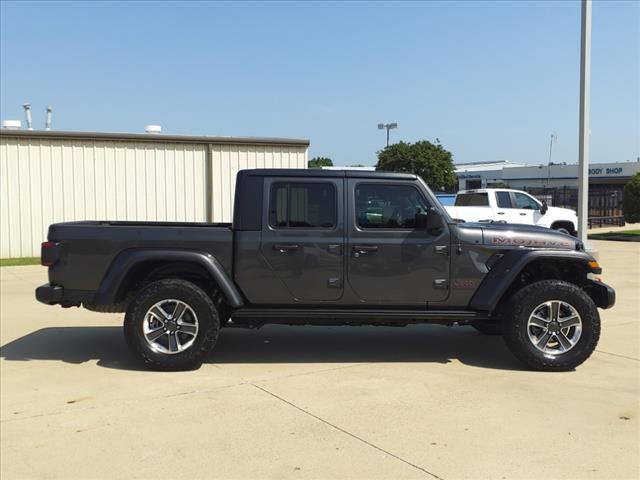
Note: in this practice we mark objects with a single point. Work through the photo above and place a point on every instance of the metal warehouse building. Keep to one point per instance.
(50, 176)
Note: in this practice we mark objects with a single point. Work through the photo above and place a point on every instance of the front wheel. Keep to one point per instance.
(552, 325)
(171, 325)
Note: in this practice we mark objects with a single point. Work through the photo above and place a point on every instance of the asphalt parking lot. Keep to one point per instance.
(311, 402)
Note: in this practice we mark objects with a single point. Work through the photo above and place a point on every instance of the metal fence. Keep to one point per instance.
(605, 202)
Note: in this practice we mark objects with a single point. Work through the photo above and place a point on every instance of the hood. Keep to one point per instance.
(531, 236)
(562, 211)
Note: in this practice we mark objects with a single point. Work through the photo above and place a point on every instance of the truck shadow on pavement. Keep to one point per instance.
(279, 344)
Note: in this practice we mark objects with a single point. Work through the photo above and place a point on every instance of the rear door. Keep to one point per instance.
(503, 206)
(303, 237)
(390, 260)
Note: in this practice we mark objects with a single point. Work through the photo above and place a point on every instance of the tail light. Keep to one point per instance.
(50, 253)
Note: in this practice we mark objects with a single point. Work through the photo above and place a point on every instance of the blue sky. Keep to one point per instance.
(491, 80)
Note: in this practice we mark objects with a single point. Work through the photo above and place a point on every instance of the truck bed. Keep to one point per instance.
(89, 247)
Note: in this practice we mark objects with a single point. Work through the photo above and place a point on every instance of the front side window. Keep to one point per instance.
(388, 206)
(472, 200)
(302, 205)
(525, 201)
(504, 199)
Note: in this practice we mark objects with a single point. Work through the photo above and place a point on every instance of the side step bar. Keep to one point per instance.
(329, 316)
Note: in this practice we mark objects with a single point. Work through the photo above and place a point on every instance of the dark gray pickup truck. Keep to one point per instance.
(329, 248)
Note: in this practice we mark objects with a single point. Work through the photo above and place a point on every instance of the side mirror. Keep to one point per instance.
(430, 221)
(544, 207)
(422, 220)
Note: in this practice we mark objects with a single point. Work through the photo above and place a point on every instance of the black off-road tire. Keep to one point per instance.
(518, 309)
(200, 303)
(488, 327)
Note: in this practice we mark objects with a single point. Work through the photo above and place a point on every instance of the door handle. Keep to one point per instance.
(500, 213)
(335, 249)
(285, 247)
(523, 214)
(364, 249)
(441, 249)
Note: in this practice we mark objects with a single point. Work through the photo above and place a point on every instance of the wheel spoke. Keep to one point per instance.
(173, 342)
(155, 334)
(555, 310)
(543, 340)
(538, 321)
(158, 313)
(564, 341)
(571, 321)
(178, 312)
(188, 328)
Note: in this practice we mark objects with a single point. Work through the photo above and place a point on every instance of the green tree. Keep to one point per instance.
(430, 161)
(318, 162)
(631, 200)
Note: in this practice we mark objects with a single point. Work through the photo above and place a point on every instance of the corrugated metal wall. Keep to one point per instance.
(43, 181)
(227, 160)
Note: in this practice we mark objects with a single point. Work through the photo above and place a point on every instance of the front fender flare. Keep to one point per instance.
(505, 271)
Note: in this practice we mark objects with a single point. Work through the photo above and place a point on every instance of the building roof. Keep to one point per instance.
(150, 137)
(482, 166)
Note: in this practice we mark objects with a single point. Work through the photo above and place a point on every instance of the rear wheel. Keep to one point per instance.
(171, 325)
(553, 325)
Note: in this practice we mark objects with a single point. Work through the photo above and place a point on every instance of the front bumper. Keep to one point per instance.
(602, 294)
(49, 294)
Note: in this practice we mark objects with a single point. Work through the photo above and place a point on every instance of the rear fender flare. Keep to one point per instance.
(128, 259)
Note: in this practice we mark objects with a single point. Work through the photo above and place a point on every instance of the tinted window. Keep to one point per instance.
(525, 201)
(302, 205)
(388, 206)
(472, 200)
(504, 199)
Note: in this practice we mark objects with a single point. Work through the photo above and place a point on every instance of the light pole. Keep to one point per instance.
(583, 136)
(388, 126)
(554, 138)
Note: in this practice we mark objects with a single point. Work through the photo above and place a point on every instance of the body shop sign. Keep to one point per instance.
(609, 171)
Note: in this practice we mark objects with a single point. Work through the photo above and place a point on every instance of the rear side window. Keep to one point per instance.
(504, 199)
(472, 200)
(302, 205)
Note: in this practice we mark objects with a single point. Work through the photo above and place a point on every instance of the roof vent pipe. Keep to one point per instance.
(27, 112)
(47, 124)
(11, 124)
(155, 129)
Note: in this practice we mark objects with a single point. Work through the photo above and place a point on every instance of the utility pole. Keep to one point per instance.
(583, 145)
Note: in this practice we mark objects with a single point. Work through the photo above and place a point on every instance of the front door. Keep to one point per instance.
(390, 259)
(525, 209)
(303, 241)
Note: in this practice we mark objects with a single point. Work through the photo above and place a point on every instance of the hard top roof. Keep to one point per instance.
(319, 173)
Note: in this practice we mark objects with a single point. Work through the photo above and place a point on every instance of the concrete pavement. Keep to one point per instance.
(310, 402)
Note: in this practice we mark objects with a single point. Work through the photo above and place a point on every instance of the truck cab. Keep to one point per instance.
(343, 238)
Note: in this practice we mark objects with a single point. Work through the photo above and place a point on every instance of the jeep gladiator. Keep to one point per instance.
(329, 248)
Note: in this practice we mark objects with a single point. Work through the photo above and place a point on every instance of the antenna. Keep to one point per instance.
(27, 112)
(47, 124)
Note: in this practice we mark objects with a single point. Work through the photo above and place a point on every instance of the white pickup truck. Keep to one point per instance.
(511, 206)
